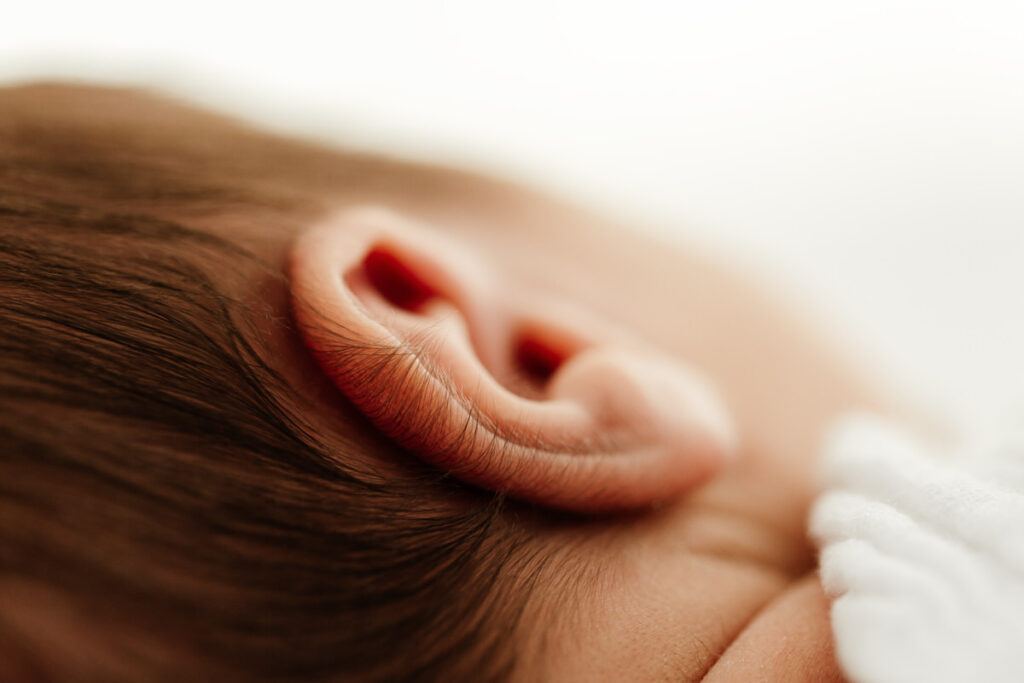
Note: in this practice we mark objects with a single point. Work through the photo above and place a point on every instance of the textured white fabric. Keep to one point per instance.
(925, 556)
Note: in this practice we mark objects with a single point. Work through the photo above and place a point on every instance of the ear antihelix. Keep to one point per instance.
(605, 428)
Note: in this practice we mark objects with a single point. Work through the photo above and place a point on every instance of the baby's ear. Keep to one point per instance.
(499, 388)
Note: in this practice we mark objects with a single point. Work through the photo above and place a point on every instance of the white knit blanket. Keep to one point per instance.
(924, 555)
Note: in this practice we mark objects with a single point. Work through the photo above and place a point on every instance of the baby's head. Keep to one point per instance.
(274, 411)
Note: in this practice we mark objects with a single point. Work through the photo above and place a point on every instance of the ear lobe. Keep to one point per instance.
(483, 384)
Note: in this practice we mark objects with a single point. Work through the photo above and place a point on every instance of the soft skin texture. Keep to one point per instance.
(718, 581)
(786, 642)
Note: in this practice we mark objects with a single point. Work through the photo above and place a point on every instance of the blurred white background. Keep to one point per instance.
(870, 154)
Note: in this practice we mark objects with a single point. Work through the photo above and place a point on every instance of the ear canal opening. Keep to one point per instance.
(536, 360)
(395, 281)
(538, 353)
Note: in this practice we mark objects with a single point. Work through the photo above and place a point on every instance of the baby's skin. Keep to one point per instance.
(716, 580)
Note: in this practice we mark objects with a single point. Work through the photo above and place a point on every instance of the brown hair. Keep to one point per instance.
(166, 512)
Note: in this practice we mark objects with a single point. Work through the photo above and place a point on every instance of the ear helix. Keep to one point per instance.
(420, 337)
